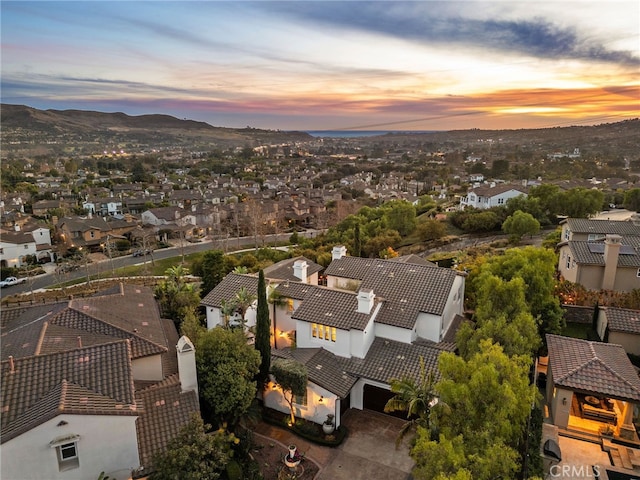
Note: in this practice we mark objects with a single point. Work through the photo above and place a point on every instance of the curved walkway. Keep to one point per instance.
(367, 453)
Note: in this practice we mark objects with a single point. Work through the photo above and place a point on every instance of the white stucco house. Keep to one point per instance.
(15, 247)
(92, 385)
(371, 323)
(491, 195)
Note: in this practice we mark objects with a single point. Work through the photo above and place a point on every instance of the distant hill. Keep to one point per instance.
(23, 126)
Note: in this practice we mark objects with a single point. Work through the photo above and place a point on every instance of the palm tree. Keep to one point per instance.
(417, 398)
(227, 309)
(243, 301)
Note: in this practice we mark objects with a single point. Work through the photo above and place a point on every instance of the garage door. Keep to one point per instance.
(375, 398)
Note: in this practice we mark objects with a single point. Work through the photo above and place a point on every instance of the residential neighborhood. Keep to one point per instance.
(404, 311)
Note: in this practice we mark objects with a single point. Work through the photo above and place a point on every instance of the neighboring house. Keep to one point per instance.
(591, 385)
(92, 385)
(87, 232)
(589, 230)
(491, 195)
(372, 322)
(16, 247)
(612, 264)
(620, 326)
(167, 216)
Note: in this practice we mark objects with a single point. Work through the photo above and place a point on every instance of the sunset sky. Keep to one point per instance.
(303, 65)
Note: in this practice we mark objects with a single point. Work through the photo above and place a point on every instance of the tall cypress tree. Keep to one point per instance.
(357, 243)
(263, 331)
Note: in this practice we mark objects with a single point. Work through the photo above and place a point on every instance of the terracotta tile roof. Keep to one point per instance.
(324, 368)
(412, 258)
(98, 380)
(135, 311)
(603, 368)
(79, 321)
(13, 318)
(623, 320)
(585, 225)
(335, 308)
(407, 289)
(166, 411)
(386, 359)
(295, 290)
(591, 253)
(228, 287)
(389, 359)
(283, 270)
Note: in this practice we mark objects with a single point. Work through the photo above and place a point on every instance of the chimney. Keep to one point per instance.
(16, 227)
(12, 366)
(187, 365)
(338, 252)
(300, 270)
(79, 341)
(612, 245)
(365, 300)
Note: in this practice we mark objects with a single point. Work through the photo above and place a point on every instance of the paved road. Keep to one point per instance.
(228, 245)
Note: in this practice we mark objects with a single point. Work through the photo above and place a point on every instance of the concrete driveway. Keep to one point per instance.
(369, 451)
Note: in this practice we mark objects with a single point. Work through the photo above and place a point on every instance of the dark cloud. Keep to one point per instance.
(435, 22)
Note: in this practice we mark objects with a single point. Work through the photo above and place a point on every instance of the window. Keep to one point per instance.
(67, 456)
(92, 234)
(638, 273)
(290, 305)
(26, 247)
(324, 332)
(500, 201)
(567, 233)
(568, 261)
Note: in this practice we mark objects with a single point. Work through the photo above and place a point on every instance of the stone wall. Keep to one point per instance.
(578, 314)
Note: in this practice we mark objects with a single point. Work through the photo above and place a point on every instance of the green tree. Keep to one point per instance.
(214, 269)
(192, 326)
(520, 224)
(502, 315)
(581, 202)
(263, 332)
(176, 296)
(357, 241)
(632, 200)
(400, 216)
(536, 267)
(416, 397)
(195, 454)
(481, 222)
(292, 378)
(548, 196)
(502, 384)
(138, 173)
(226, 367)
(431, 229)
(376, 244)
(243, 301)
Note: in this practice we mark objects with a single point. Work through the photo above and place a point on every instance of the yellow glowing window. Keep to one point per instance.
(290, 305)
(326, 333)
(320, 331)
(333, 334)
(314, 330)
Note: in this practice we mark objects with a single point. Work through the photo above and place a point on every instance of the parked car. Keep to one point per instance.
(9, 281)
(140, 253)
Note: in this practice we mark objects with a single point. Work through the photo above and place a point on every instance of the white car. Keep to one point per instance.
(9, 281)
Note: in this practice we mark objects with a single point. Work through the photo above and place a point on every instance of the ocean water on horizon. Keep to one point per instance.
(359, 133)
